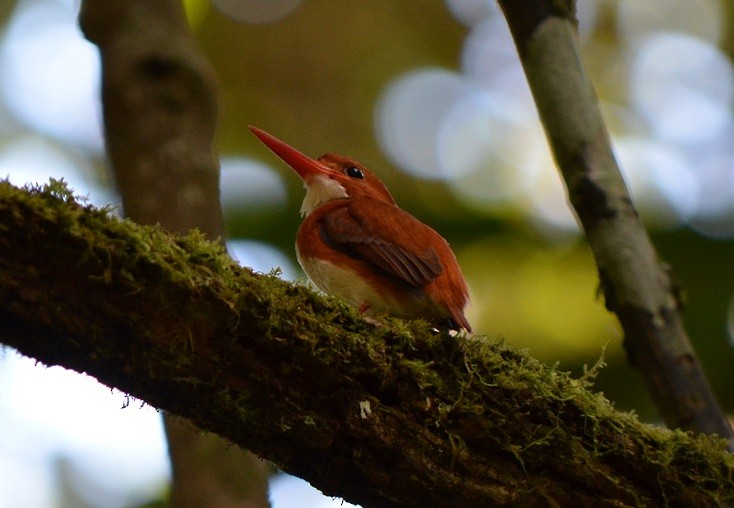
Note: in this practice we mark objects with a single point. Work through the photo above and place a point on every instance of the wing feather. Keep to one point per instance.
(385, 236)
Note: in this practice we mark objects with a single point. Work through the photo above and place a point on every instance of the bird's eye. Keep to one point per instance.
(354, 172)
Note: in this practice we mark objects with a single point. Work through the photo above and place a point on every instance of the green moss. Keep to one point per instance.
(217, 342)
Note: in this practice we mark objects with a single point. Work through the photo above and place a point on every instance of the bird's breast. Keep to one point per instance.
(335, 279)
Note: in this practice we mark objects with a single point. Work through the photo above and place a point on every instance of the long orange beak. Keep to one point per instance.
(305, 166)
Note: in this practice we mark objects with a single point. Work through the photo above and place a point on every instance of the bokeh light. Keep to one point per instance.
(663, 187)
(474, 146)
(490, 59)
(547, 203)
(479, 129)
(410, 114)
(683, 87)
(471, 12)
(49, 74)
(250, 186)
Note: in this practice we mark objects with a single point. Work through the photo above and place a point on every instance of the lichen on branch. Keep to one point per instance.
(387, 413)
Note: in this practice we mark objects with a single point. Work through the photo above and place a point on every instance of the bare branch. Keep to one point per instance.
(636, 285)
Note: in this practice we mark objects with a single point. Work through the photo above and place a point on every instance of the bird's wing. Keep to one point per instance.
(385, 236)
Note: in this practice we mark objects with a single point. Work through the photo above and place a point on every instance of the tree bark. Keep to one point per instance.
(159, 98)
(637, 286)
(390, 414)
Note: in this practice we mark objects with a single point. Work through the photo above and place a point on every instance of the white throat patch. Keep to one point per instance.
(320, 190)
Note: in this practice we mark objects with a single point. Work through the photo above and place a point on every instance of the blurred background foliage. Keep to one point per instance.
(431, 96)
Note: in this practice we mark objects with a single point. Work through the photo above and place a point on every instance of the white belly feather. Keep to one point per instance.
(344, 283)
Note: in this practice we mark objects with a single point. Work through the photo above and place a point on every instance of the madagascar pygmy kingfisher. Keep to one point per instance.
(356, 243)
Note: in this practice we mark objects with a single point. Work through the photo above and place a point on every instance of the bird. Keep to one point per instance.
(356, 243)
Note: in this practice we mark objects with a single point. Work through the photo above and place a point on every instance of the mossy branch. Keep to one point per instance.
(388, 414)
(159, 104)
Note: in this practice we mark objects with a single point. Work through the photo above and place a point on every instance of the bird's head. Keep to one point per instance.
(329, 177)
